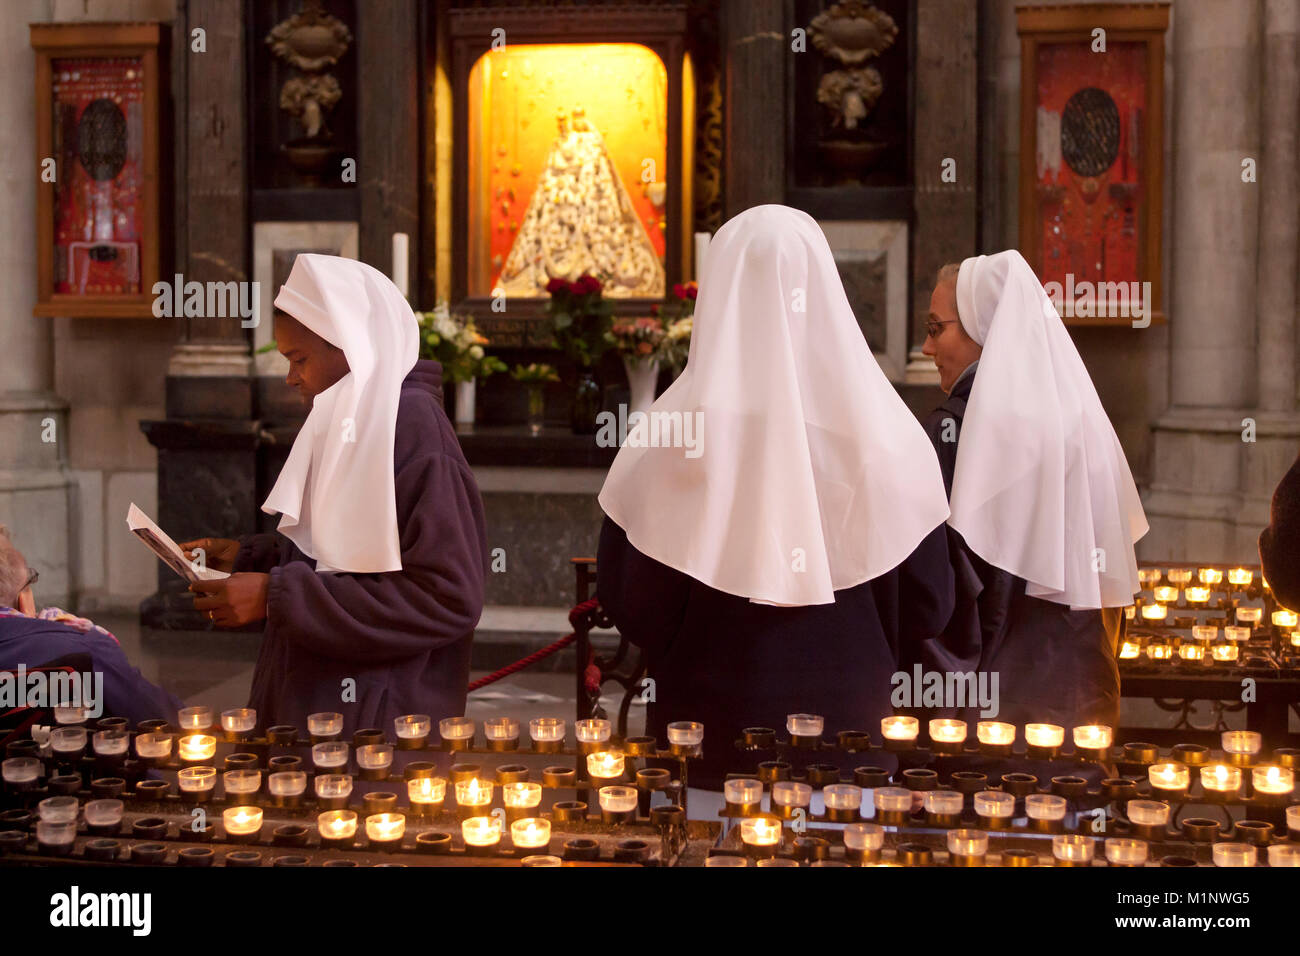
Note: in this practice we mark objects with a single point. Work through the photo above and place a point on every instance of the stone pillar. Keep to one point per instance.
(755, 44)
(1279, 221)
(1216, 454)
(34, 480)
(946, 128)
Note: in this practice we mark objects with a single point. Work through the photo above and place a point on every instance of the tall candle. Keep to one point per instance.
(401, 263)
(701, 251)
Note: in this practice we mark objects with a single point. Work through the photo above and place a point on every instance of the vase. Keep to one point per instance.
(642, 377)
(465, 406)
(586, 404)
(536, 408)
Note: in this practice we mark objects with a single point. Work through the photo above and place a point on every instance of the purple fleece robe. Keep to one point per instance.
(402, 636)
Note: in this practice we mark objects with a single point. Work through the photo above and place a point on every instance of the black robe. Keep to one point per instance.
(1279, 544)
(729, 663)
(1054, 665)
(403, 637)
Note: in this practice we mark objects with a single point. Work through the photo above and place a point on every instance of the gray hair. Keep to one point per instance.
(13, 570)
(947, 273)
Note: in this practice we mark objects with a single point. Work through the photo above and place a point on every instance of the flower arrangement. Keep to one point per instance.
(581, 317)
(677, 316)
(535, 373)
(454, 341)
(637, 338)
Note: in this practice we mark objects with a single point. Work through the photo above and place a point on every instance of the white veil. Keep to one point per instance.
(811, 475)
(1041, 487)
(335, 492)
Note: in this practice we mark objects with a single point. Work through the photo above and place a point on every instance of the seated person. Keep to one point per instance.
(34, 640)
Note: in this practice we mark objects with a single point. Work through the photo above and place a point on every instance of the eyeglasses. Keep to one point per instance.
(932, 329)
(32, 576)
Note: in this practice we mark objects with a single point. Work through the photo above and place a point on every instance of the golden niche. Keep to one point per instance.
(581, 193)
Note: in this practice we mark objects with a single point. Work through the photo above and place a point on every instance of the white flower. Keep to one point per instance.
(476, 352)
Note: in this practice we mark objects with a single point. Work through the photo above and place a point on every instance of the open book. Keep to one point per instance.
(158, 541)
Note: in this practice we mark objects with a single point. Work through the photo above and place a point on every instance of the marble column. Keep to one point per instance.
(755, 46)
(34, 480)
(1219, 448)
(946, 128)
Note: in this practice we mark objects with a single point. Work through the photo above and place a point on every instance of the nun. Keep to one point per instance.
(372, 585)
(774, 566)
(1044, 510)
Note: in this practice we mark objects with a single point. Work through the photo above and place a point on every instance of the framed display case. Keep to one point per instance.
(98, 93)
(1091, 156)
(569, 158)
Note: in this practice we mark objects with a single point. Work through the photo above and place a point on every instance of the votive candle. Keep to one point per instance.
(1233, 854)
(1093, 737)
(605, 764)
(1210, 576)
(337, 824)
(197, 780)
(1240, 576)
(1169, 776)
(481, 831)
(686, 733)
(521, 795)
(1241, 742)
(473, 792)
(1284, 618)
(242, 821)
(995, 732)
(194, 718)
(546, 729)
(1154, 612)
(1220, 778)
(385, 827)
(197, 747)
(948, 731)
(1044, 735)
(433, 790)
(593, 731)
(1165, 595)
(1272, 780)
(760, 831)
(531, 833)
(805, 725)
(900, 728)
(241, 720)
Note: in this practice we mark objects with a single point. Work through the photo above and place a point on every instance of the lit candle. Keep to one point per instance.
(1148, 813)
(1044, 735)
(1295, 638)
(617, 799)
(401, 263)
(1233, 854)
(473, 792)
(333, 753)
(593, 731)
(1072, 848)
(1148, 576)
(1093, 737)
(1221, 778)
(337, 824)
(194, 718)
(240, 782)
(760, 831)
(686, 733)
(605, 764)
(1250, 615)
(153, 746)
(546, 729)
(995, 732)
(1169, 776)
(1179, 575)
(530, 833)
(1210, 576)
(1272, 780)
(1130, 612)
(1165, 595)
(197, 780)
(1197, 595)
(1129, 650)
(1241, 742)
(1191, 652)
(197, 747)
(481, 831)
(413, 726)
(521, 795)
(385, 827)
(457, 731)
(805, 725)
(325, 725)
(1284, 854)
(1154, 612)
(1224, 652)
(333, 786)
(900, 728)
(1236, 634)
(242, 720)
(242, 821)
(1126, 852)
(1240, 576)
(1284, 618)
(1159, 650)
(1205, 633)
(433, 790)
(947, 731)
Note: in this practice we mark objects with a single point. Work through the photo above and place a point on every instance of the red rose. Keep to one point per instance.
(654, 310)
(556, 285)
(692, 290)
(679, 290)
(589, 284)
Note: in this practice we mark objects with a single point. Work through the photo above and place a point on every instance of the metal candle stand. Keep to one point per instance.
(158, 820)
(921, 842)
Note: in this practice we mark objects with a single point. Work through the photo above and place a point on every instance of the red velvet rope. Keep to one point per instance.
(591, 674)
